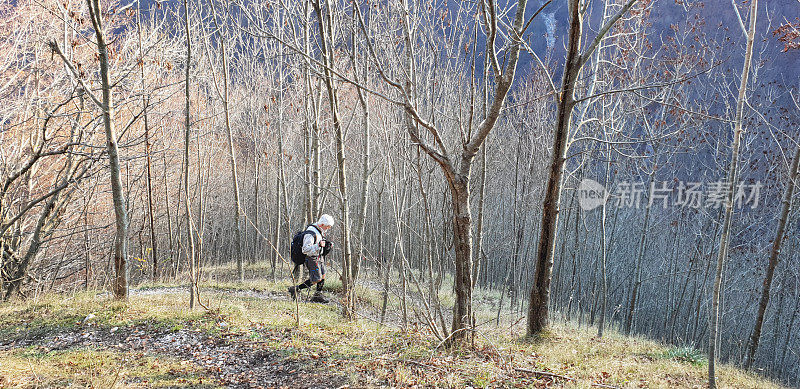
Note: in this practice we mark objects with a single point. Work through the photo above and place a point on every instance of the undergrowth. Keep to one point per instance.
(369, 353)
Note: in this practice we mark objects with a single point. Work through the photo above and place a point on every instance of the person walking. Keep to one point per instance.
(314, 248)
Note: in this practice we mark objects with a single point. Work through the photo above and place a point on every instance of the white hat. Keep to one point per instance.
(325, 219)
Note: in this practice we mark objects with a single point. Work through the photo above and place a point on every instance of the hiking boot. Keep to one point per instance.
(318, 297)
(293, 292)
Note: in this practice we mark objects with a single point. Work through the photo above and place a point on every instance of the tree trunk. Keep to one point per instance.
(365, 168)
(167, 211)
(190, 253)
(276, 235)
(476, 261)
(326, 33)
(539, 299)
(462, 235)
(773, 260)
(237, 231)
(538, 309)
(637, 269)
(604, 252)
(309, 132)
(153, 242)
(731, 183)
(121, 270)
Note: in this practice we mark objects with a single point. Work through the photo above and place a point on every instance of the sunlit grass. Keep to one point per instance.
(32, 367)
(369, 353)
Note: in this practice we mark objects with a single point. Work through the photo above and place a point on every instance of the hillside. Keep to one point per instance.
(248, 338)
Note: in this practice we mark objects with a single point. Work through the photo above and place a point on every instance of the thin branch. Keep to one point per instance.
(57, 50)
(739, 18)
(563, 377)
(600, 34)
(641, 87)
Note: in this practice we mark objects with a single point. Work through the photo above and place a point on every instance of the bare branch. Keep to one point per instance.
(54, 46)
(603, 31)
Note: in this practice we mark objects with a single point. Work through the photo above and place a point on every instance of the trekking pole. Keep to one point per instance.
(296, 301)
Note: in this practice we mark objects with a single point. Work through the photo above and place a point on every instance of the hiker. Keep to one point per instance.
(311, 252)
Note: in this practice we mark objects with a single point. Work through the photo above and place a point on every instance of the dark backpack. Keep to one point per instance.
(297, 246)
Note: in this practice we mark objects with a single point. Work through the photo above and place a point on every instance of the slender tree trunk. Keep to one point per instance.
(151, 218)
(283, 192)
(326, 33)
(773, 260)
(539, 300)
(309, 130)
(731, 184)
(476, 261)
(637, 270)
(257, 212)
(201, 208)
(277, 225)
(87, 248)
(365, 167)
(190, 253)
(167, 211)
(604, 252)
(121, 269)
(237, 231)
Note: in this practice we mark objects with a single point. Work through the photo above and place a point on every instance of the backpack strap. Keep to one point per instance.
(318, 230)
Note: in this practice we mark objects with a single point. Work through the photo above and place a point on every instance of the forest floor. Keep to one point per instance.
(248, 338)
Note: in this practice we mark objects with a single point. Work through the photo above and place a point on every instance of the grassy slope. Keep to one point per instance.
(362, 352)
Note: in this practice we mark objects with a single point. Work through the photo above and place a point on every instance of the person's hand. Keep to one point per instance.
(327, 248)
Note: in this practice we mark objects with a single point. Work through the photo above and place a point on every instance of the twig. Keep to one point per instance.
(411, 362)
(433, 352)
(563, 377)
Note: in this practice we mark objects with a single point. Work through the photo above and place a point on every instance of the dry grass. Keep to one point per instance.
(34, 368)
(370, 354)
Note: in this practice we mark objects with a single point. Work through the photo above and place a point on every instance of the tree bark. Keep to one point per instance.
(539, 299)
(326, 34)
(365, 168)
(462, 234)
(731, 184)
(121, 269)
(773, 260)
(151, 219)
(476, 261)
(190, 253)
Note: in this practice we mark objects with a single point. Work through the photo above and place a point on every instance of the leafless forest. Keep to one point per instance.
(452, 141)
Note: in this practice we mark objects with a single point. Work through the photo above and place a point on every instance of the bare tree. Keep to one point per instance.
(326, 33)
(539, 299)
(190, 252)
(732, 176)
(457, 168)
(106, 105)
(222, 30)
(145, 102)
(774, 254)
